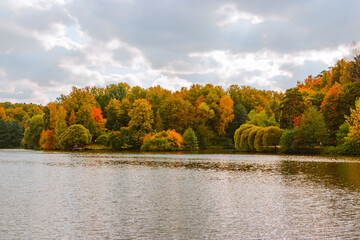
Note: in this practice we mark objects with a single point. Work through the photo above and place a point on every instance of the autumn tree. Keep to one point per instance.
(271, 136)
(32, 133)
(240, 117)
(176, 113)
(332, 110)
(113, 111)
(75, 135)
(226, 114)
(141, 118)
(291, 108)
(354, 122)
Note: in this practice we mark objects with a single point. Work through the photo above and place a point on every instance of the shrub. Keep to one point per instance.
(75, 135)
(288, 141)
(103, 139)
(350, 147)
(170, 140)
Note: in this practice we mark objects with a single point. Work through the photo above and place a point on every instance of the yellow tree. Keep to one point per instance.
(141, 118)
(354, 122)
(226, 114)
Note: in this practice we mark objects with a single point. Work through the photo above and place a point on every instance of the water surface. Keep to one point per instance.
(71, 195)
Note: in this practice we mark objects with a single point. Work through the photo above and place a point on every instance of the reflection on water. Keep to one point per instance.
(177, 196)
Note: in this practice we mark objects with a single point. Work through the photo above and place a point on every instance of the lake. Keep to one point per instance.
(106, 195)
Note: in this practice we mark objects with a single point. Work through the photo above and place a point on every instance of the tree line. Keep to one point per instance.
(320, 111)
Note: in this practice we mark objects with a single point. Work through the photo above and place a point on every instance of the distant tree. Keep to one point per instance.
(117, 91)
(271, 136)
(11, 133)
(312, 129)
(354, 122)
(291, 108)
(33, 131)
(48, 139)
(75, 135)
(332, 110)
(342, 133)
(261, 119)
(238, 132)
(103, 139)
(141, 120)
(121, 140)
(244, 145)
(251, 137)
(190, 140)
(258, 141)
(113, 111)
(289, 141)
(240, 117)
(61, 125)
(226, 114)
(168, 140)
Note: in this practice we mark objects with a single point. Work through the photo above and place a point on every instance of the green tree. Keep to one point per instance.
(75, 135)
(11, 133)
(117, 91)
(271, 136)
(113, 112)
(238, 133)
(121, 140)
(312, 129)
(261, 119)
(240, 117)
(190, 140)
(289, 141)
(244, 146)
(342, 133)
(141, 117)
(258, 141)
(251, 137)
(33, 131)
(291, 108)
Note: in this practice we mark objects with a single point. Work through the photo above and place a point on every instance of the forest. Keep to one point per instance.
(321, 112)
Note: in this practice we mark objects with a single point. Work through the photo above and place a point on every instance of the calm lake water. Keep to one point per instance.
(87, 195)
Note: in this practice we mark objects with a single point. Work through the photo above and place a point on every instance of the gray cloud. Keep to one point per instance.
(47, 46)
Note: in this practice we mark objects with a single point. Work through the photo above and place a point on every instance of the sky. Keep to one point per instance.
(48, 46)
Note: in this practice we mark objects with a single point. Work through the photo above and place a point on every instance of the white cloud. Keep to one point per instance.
(266, 64)
(228, 14)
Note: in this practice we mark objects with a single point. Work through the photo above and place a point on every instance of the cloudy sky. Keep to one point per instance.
(47, 46)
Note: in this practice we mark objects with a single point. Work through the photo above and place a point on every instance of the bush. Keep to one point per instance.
(75, 135)
(350, 147)
(342, 133)
(156, 144)
(168, 140)
(103, 139)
